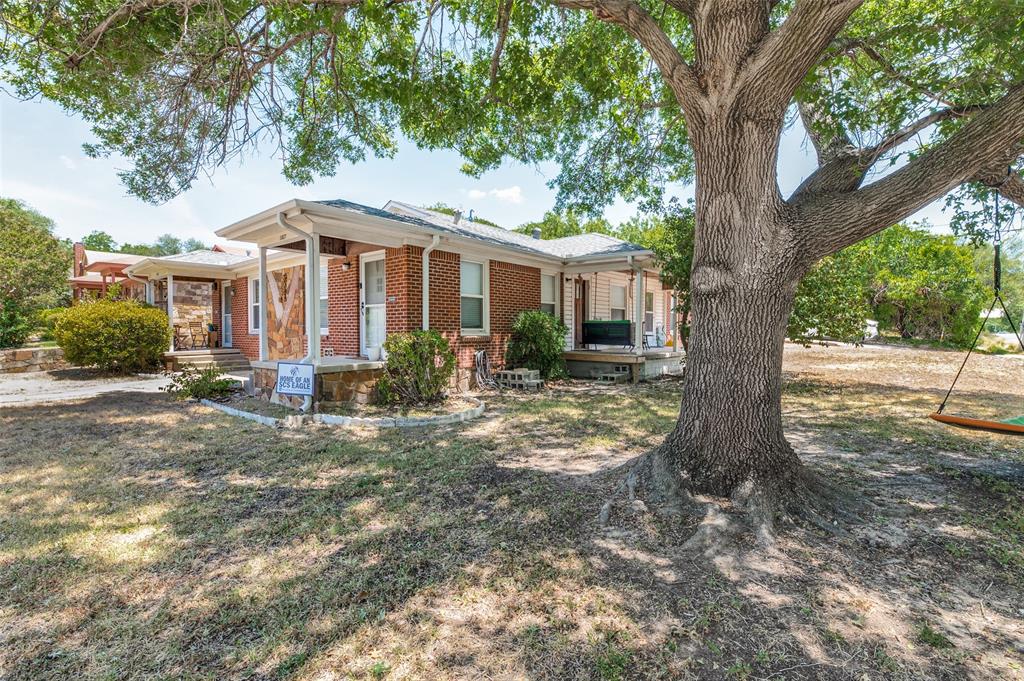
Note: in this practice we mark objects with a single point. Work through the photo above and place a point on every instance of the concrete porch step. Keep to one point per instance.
(226, 359)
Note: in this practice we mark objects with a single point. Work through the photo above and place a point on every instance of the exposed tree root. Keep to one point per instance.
(757, 507)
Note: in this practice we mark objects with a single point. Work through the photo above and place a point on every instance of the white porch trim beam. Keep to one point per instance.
(638, 311)
(263, 304)
(170, 307)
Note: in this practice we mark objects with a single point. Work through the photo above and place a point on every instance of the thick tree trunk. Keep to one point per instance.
(745, 272)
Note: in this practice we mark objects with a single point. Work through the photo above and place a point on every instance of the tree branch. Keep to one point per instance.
(779, 63)
(1001, 177)
(833, 221)
(642, 26)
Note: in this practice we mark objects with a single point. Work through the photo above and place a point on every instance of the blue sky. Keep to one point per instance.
(41, 162)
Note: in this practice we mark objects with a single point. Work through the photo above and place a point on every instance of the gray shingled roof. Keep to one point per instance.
(206, 257)
(583, 245)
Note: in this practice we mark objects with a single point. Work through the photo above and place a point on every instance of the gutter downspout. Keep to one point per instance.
(312, 281)
(425, 316)
(149, 294)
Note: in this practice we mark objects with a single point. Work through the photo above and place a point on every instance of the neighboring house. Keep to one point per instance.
(94, 272)
(400, 268)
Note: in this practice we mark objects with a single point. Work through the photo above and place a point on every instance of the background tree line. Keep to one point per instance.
(165, 244)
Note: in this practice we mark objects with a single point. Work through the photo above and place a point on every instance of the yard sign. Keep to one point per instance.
(294, 379)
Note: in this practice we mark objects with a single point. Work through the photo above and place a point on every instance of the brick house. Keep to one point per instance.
(381, 271)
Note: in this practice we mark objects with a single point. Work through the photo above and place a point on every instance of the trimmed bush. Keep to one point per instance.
(15, 323)
(417, 370)
(199, 384)
(538, 340)
(114, 335)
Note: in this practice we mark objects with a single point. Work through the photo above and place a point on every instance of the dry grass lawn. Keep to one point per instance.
(142, 538)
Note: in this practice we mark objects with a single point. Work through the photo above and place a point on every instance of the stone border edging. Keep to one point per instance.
(298, 420)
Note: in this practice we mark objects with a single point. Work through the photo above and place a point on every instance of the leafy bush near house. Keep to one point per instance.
(113, 335)
(537, 342)
(15, 323)
(417, 370)
(46, 320)
(200, 384)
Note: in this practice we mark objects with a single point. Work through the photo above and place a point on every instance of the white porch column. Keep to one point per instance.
(170, 306)
(638, 312)
(568, 308)
(313, 295)
(263, 303)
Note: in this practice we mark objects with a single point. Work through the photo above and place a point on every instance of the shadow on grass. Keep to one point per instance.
(144, 538)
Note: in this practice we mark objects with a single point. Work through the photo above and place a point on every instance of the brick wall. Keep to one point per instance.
(248, 344)
(403, 274)
(342, 307)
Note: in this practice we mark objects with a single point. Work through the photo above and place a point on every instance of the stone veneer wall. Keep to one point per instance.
(334, 388)
(286, 314)
(24, 360)
(193, 302)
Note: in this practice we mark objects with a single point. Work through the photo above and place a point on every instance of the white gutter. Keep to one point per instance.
(311, 283)
(434, 241)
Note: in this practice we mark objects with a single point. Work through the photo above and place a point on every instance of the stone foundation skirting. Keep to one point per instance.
(333, 388)
(23, 360)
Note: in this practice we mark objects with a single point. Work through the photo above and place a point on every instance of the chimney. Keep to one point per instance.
(78, 266)
(536, 232)
(457, 216)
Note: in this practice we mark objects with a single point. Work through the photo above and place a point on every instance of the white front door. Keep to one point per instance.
(372, 301)
(226, 294)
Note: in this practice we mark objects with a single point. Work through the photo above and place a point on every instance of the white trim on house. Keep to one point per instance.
(253, 318)
(364, 259)
(553, 302)
(324, 302)
(484, 296)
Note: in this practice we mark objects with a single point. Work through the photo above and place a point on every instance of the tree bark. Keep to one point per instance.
(744, 278)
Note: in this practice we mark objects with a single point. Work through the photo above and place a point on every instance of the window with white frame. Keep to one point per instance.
(323, 299)
(254, 305)
(473, 291)
(618, 301)
(548, 300)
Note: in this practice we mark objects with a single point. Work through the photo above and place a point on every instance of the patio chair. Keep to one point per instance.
(200, 336)
(181, 339)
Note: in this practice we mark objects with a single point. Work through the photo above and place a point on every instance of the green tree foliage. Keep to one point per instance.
(418, 368)
(122, 336)
(925, 286)
(34, 267)
(558, 224)
(832, 301)
(537, 342)
(448, 210)
(98, 240)
(915, 283)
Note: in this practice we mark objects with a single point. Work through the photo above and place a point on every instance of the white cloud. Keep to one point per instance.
(68, 162)
(513, 194)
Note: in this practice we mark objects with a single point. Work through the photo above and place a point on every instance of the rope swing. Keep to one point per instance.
(1014, 425)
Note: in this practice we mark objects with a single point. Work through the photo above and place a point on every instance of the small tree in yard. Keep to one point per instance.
(537, 342)
(627, 96)
(34, 267)
(418, 368)
(122, 336)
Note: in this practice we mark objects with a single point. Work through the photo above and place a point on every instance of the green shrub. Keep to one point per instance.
(200, 384)
(538, 340)
(417, 370)
(46, 320)
(114, 335)
(15, 323)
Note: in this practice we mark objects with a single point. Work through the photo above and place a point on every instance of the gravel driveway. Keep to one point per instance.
(70, 384)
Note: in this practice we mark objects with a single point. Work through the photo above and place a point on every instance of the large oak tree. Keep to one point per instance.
(905, 101)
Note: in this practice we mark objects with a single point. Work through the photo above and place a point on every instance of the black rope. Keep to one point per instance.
(973, 345)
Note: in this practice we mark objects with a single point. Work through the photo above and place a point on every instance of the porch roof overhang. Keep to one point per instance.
(263, 230)
(156, 268)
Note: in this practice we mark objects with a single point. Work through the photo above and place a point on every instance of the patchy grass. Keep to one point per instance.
(144, 538)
